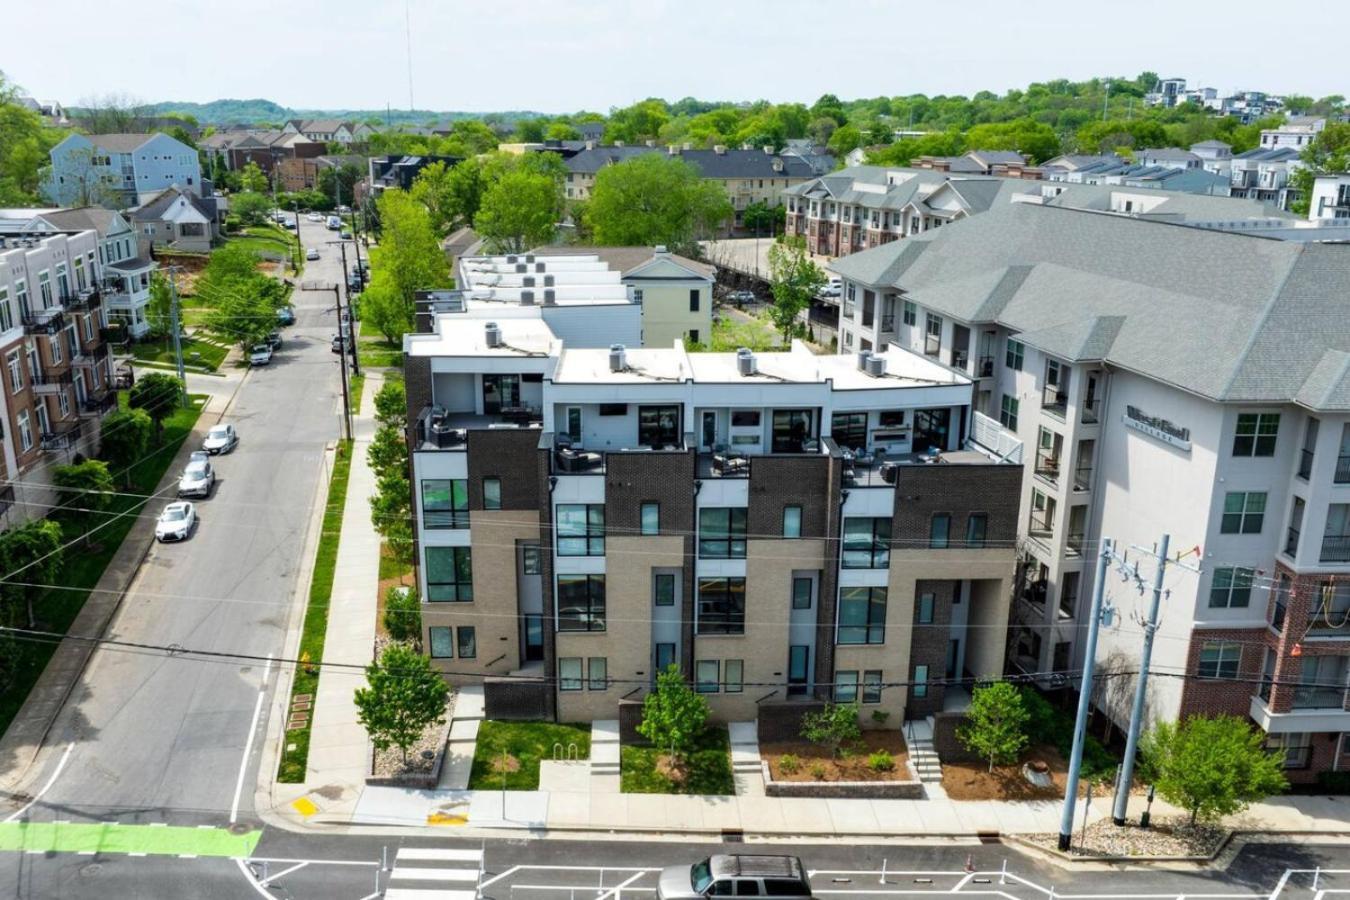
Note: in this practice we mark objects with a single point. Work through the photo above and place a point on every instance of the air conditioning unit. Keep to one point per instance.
(539, 267)
(875, 366)
(863, 357)
(527, 298)
(521, 267)
(550, 297)
(492, 334)
(617, 358)
(528, 281)
(745, 361)
(511, 260)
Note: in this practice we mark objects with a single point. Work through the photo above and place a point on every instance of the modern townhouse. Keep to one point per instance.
(119, 170)
(1168, 92)
(1169, 157)
(1215, 156)
(1330, 198)
(386, 172)
(1164, 379)
(1265, 174)
(781, 526)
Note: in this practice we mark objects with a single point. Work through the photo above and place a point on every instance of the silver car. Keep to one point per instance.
(198, 478)
(725, 875)
(220, 439)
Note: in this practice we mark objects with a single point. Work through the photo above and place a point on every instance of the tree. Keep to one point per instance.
(252, 178)
(432, 189)
(391, 511)
(158, 394)
(158, 312)
(673, 715)
(521, 210)
(561, 131)
(86, 490)
(402, 699)
(388, 450)
(250, 206)
(403, 614)
(111, 113)
(31, 556)
(383, 309)
(124, 436)
(794, 279)
(763, 219)
(338, 184)
(1211, 766)
(240, 317)
(1328, 152)
(24, 142)
(995, 726)
(391, 403)
(408, 259)
(835, 724)
(654, 199)
(844, 139)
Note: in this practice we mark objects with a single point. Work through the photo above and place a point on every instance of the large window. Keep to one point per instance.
(920, 686)
(927, 603)
(721, 532)
(849, 430)
(663, 589)
(845, 686)
(1015, 355)
(871, 686)
(651, 518)
(791, 430)
(801, 593)
(449, 575)
(467, 641)
(581, 529)
(867, 542)
(733, 672)
(939, 531)
(1243, 513)
(581, 603)
(706, 676)
(1256, 433)
(492, 493)
(597, 673)
(862, 615)
(1219, 659)
(569, 673)
(659, 426)
(792, 521)
(721, 606)
(442, 642)
(977, 529)
(1007, 414)
(910, 312)
(1231, 587)
(445, 503)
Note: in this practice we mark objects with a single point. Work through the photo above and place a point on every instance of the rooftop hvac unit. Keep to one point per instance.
(548, 281)
(492, 334)
(875, 366)
(539, 267)
(511, 260)
(527, 298)
(617, 361)
(521, 267)
(863, 357)
(550, 297)
(529, 258)
(528, 281)
(745, 361)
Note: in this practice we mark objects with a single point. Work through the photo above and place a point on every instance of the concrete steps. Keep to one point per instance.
(605, 756)
(746, 769)
(923, 758)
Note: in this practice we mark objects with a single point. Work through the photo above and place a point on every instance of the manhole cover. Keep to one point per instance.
(239, 828)
(90, 870)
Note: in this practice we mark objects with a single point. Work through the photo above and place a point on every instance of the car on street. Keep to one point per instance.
(355, 283)
(312, 253)
(289, 224)
(198, 478)
(740, 298)
(286, 315)
(313, 217)
(339, 343)
(260, 355)
(274, 340)
(726, 875)
(334, 223)
(175, 522)
(345, 235)
(220, 439)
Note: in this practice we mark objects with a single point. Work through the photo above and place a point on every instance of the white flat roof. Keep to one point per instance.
(643, 366)
(459, 336)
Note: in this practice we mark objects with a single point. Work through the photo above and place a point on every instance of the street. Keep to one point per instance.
(150, 737)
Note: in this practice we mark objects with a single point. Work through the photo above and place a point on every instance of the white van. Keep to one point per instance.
(334, 223)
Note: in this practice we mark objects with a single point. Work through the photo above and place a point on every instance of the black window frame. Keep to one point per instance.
(871, 686)
(1255, 435)
(797, 581)
(658, 578)
(462, 568)
(449, 633)
(695, 300)
(590, 540)
(721, 605)
(453, 516)
(940, 531)
(1231, 583)
(1223, 669)
(870, 628)
(492, 499)
(653, 432)
(717, 541)
(1241, 521)
(588, 614)
(876, 552)
(471, 633)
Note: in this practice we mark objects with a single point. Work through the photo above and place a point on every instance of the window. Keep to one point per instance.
(939, 531)
(791, 430)
(530, 560)
(862, 615)
(867, 543)
(1256, 433)
(745, 418)
(871, 686)
(581, 529)
(445, 503)
(693, 335)
(1230, 588)
(927, 601)
(492, 493)
(977, 527)
(1243, 513)
(845, 686)
(63, 403)
(721, 532)
(1014, 355)
(442, 647)
(15, 371)
(54, 342)
(721, 606)
(920, 686)
(1007, 415)
(6, 312)
(733, 676)
(659, 426)
(1309, 447)
(663, 589)
(693, 299)
(1219, 659)
(581, 603)
(910, 313)
(597, 674)
(705, 676)
(25, 431)
(613, 409)
(849, 430)
(792, 521)
(467, 641)
(449, 575)
(651, 518)
(801, 593)
(569, 673)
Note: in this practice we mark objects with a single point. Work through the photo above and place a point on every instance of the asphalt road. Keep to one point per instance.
(155, 737)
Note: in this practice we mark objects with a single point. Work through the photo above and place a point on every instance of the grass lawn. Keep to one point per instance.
(525, 743)
(392, 567)
(295, 758)
(84, 566)
(379, 353)
(731, 332)
(708, 771)
(356, 386)
(197, 353)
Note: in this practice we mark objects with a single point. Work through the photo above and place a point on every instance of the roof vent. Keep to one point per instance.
(492, 334)
(539, 267)
(863, 356)
(617, 358)
(550, 297)
(548, 281)
(527, 298)
(529, 258)
(720, 149)
(875, 366)
(745, 361)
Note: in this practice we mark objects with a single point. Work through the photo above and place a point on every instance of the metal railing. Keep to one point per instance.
(47, 321)
(1041, 525)
(986, 369)
(1074, 541)
(1054, 400)
(1342, 469)
(1091, 410)
(83, 300)
(1082, 478)
(1047, 465)
(960, 359)
(1291, 541)
(1336, 548)
(1305, 463)
(61, 440)
(888, 323)
(1318, 697)
(99, 404)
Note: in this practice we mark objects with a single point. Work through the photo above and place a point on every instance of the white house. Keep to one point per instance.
(1330, 197)
(177, 219)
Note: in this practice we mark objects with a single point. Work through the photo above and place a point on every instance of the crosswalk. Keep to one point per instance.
(435, 873)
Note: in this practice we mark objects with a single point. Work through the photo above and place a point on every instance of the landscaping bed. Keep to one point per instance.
(422, 767)
(1172, 837)
(808, 761)
(707, 770)
(972, 780)
(514, 750)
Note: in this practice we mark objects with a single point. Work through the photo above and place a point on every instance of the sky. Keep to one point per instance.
(565, 55)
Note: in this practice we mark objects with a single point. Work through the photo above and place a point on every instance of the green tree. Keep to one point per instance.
(654, 199)
(86, 490)
(403, 697)
(391, 403)
(996, 722)
(1328, 152)
(24, 144)
(408, 259)
(253, 178)
(240, 317)
(1211, 766)
(521, 210)
(639, 122)
(1034, 140)
(338, 184)
(673, 715)
(403, 614)
(124, 436)
(836, 724)
(794, 279)
(383, 308)
(391, 511)
(158, 312)
(432, 189)
(251, 207)
(158, 394)
(763, 219)
(561, 131)
(31, 556)
(844, 139)
(388, 450)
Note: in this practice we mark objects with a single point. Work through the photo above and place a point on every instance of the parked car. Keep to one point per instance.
(260, 355)
(334, 223)
(339, 343)
(286, 315)
(724, 875)
(274, 340)
(740, 298)
(345, 235)
(220, 439)
(289, 224)
(312, 253)
(198, 478)
(314, 217)
(175, 522)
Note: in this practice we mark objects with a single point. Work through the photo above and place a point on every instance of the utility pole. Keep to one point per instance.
(1140, 688)
(342, 359)
(177, 338)
(1084, 700)
(351, 324)
(1106, 101)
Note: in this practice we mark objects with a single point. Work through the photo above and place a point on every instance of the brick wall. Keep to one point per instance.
(783, 721)
(945, 743)
(1216, 696)
(517, 700)
(510, 455)
(928, 646)
(959, 490)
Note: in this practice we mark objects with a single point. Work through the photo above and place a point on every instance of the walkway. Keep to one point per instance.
(747, 770)
(464, 722)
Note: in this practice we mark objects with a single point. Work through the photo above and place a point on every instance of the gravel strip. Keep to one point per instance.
(1167, 837)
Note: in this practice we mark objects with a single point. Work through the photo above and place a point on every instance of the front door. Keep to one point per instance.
(534, 638)
(709, 430)
(664, 659)
(799, 659)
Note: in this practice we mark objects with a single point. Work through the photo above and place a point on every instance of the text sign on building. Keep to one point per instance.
(1158, 428)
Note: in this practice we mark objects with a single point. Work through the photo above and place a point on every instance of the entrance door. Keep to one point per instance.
(664, 659)
(500, 391)
(534, 638)
(799, 659)
(709, 430)
(931, 427)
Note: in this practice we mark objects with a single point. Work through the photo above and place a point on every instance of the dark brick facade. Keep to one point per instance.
(543, 472)
(510, 454)
(630, 716)
(928, 646)
(780, 481)
(958, 490)
(1217, 696)
(517, 700)
(781, 720)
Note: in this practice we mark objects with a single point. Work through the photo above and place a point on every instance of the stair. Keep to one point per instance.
(923, 756)
(746, 769)
(605, 756)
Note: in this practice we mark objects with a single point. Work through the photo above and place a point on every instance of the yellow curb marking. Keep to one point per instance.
(305, 806)
(440, 818)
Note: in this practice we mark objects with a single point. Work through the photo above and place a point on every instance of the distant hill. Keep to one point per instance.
(224, 112)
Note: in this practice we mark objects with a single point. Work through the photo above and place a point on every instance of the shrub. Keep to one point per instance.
(835, 725)
(789, 764)
(818, 771)
(881, 761)
(232, 224)
(880, 716)
(403, 614)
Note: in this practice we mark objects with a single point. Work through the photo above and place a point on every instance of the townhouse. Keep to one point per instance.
(326, 131)
(1164, 379)
(1330, 198)
(782, 527)
(268, 149)
(301, 173)
(118, 170)
(1265, 174)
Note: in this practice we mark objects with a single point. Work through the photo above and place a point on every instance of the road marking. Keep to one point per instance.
(46, 787)
(304, 806)
(420, 894)
(614, 891)
(248, 876)
(248, 747)
(435, 874)
(439, 853)
(271, 878)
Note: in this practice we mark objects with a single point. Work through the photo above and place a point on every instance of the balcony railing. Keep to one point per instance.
(1041, 525)
(1305, 461)
(1091, 410)
(1319, 697)
(1291, 542)
(84, 300)
(92, 357)
(1336, 548)
(49, 382)
(960, 359)
(61, 440)
(97, 405)
(932, 345)
(1074, 541)
(1047, 465)
(1331, 621)
(48, 321)
(1054, 400)
(1342, 469)
(986, 369)
(888, 323)
(1082, 478)
(115, 333)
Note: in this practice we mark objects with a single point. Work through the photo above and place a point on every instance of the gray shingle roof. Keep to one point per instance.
(118, 143)
(82, 217)
(731, 164)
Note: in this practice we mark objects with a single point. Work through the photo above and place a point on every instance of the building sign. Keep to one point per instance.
(1154, 427)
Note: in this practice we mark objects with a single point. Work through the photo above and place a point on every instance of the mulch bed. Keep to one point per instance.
(974, 781)
(851, 768)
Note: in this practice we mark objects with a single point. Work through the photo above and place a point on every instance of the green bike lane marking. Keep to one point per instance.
(110, 837)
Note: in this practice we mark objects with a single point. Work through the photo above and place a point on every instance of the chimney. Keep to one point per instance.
(720, 149)
(492, 334)
(617, 360)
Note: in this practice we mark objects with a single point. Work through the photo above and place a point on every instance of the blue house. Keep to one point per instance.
(119, 170)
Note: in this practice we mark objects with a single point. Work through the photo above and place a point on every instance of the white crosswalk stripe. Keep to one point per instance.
(435, 873)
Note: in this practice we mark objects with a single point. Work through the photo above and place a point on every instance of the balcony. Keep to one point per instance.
(888, 323)
(437, 429)
(961, 360)
(1336, 548)
(49, 382)
(115, 333)
(61, 440)
(1054, 400)
(1074, 542)
(91, 358)
(1041, 525)
(47, 321)
(1082, 478)
(1297, 720)
(1342, 469)
(83, 300)
(1319, 697)
(1047, 465)
(569, 460)
(97, 405)
(723, 464)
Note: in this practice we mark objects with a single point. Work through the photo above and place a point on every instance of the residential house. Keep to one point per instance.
(1169, 157)
(119, 170)
(301, 173)
(1168, 92)
(1215, 156)
(323, 131)
(976, 162)
(1297, 133)
(177, 220)
(384, 172)
(1265, 174)
(1330, 199)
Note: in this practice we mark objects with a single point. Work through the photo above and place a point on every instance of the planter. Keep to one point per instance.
(845, 790)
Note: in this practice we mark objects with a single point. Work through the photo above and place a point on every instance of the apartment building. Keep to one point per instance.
(1265, 173)
(57, 375)
(301, 173)
(781, 526)
(1164, 379)
(1330, 198)
(118, 170)
(1297, 133)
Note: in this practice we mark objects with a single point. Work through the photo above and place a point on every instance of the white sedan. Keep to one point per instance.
(312, 253)
(220, 439)
(313, 217)
(175, 523)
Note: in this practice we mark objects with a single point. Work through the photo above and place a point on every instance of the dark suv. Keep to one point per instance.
(770, 877)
